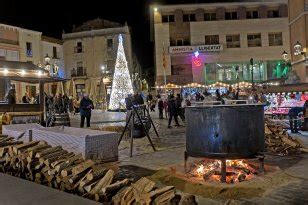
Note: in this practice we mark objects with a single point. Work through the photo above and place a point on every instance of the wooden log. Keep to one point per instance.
(164, 197)
(62, 159)
(4, 150)
(144, 185)
(115, 186)
(48, 159)
(5, 139)
(288, 141)
(68, 163)
(81, 179)
(67, 171)
(105, 181)
(89, 186)
(82, 166)
(97, 174)
(18, 148)
(34, 150)
(124, 196)
(77, 177)
(48, 151)
(141, 188)
(10, 143)
(303, 150)
(241, 177)
(188, 199)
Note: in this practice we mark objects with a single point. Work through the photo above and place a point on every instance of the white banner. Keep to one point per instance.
(191, 49)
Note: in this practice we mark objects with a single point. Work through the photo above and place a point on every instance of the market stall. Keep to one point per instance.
(283, 97)
(22, 91)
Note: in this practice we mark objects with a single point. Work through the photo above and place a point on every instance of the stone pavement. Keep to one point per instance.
(170, 151)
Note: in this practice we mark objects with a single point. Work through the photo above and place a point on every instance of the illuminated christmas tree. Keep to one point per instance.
(122, 84)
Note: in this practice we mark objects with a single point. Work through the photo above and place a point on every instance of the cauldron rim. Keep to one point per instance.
(233, 105)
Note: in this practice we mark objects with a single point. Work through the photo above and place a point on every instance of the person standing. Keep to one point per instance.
(11, 96)
(160, 108)
(172, 112)
(179, 108)
(25, 99)
(86, 105)
(293, 118)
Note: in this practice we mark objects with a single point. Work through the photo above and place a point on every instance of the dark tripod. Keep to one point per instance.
(135, 111)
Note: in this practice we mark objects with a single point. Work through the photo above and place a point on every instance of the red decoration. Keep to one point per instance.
(197, 61)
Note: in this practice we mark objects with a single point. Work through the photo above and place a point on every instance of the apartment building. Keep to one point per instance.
(210, 42)
(91, 47)
(24, 45)
(298, 24)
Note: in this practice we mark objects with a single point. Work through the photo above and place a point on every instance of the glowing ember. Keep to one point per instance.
(200, 170)
(236, 171)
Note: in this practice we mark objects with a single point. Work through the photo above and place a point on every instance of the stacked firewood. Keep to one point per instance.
(57, 168)
(277, 140)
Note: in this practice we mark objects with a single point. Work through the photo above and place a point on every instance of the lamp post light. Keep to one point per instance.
(298, 50)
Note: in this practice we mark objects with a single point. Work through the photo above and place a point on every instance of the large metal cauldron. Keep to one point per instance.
(225, 131)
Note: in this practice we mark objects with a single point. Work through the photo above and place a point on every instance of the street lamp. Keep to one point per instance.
(251, 63)
(47, 58)
(298, 49)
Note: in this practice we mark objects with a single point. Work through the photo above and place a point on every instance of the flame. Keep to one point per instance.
(200, 170)
(235, 167)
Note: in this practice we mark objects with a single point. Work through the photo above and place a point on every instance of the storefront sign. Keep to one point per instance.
(191, 49)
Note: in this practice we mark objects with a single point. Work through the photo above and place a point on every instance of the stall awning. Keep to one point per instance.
(25, 72)
(300, 87)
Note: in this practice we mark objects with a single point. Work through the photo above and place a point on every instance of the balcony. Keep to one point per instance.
(80, 72)
(7, 41)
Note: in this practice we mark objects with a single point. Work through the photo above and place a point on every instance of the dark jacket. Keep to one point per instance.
(160, 104)
(172, 107)
(178, 102)
(85, 106)
(294, 111)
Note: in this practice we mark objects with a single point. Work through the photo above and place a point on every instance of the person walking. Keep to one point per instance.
(86, 105)
(172, 111)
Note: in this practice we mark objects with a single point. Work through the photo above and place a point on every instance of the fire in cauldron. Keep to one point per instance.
(225, 134)
(237, 171)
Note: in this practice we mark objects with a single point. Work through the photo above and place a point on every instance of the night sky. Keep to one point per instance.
(53, 16)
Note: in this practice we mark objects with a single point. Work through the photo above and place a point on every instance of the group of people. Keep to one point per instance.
(64, 104)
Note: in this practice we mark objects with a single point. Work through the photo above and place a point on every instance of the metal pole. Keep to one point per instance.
(251, 63)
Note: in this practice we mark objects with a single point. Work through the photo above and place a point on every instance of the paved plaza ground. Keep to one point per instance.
(170, 151)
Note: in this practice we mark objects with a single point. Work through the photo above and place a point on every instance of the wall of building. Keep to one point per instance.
(196, 31)
(35, 39)
(95, 52)
(298, 25)
(9, 43)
